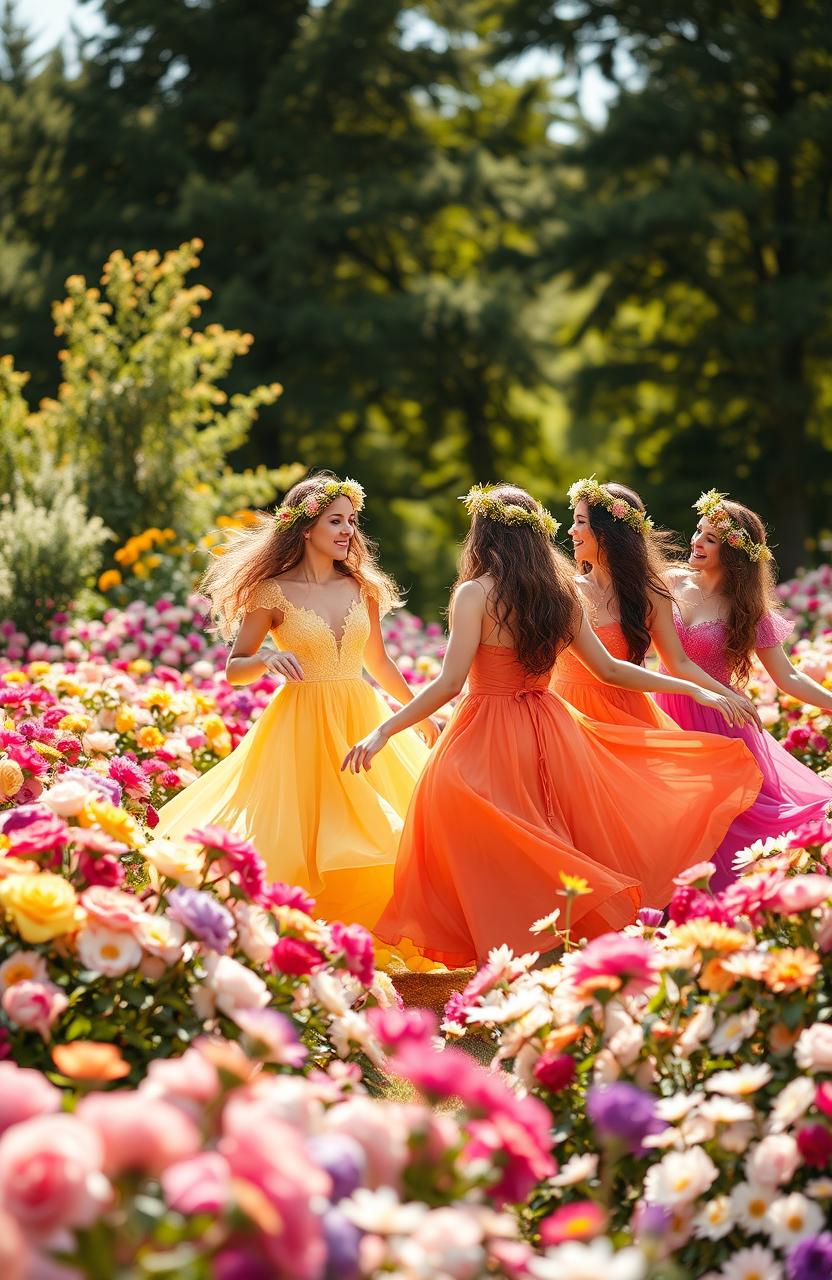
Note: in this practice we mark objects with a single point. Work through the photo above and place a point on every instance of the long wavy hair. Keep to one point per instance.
(248, 557)
(636, 562)
(748, 585)
(534, 597)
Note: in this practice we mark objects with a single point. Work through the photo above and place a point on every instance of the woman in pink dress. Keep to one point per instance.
(725, 613)
(622, 559)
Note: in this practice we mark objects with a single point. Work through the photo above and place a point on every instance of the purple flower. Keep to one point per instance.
(343, 1242)
(343, 1159)
(651, 917)
(208, 920)
(107, 788)
(622, 1112)
(811, 1259)
(241, 1263)
(651, 1221)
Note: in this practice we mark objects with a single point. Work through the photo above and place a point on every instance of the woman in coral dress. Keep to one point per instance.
(522, 787)
(307, 578)
(725, 612)
(622, 559)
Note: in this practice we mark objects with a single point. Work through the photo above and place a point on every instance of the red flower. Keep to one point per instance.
(294, 956)
(815, 1144)
(555, 1071)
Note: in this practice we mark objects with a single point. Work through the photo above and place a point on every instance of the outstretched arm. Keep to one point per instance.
(466, 629)
(676, 661)
(626, 675)
(793, 682)
(385, 672)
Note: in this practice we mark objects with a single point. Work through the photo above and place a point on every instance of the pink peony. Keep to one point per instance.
(50, 1175)
(357, 947)
(199, 1185)
(295, 956)
(47, 834)
(802, 893)
(773, 1161)
(34, 1006)
(233, 986)
(138, 1134)
(24, 1093)
(112, 909)
(615, 955)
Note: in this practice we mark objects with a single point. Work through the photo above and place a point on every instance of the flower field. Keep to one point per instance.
(200, 1080)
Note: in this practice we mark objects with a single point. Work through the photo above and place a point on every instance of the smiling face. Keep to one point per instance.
(584, 541)
(705, 548)
(332, 532)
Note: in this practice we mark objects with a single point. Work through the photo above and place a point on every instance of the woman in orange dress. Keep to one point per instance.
(521, 787)
(623, 562)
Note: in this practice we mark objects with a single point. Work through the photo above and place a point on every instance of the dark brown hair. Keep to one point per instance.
(748, 586)
(249, 556)
(534, 598)
(636, 562)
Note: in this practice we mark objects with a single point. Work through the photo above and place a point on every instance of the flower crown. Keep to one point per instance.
(481, 500)
(726, 529)
(318, 499)
(597, 496)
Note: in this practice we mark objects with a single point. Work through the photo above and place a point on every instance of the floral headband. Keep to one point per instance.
(726, 529)
(318, 499)
(482, 501)
(597, 496)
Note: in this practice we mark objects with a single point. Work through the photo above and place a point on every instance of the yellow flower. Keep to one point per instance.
(109, 579)
(149, 737)
(153, 562)
(791, 969)
(126, 555)
(709, 936)
(48, 753)
(185, 863)
(39, 668)
(140, 569)
(14, 677)
(204, 702)
(574, 886)
(11, 779)
(116, 822)
(125, 719)
(160, 698)
(140, 666)
(75, 723)
(41, 907)
(213, 726)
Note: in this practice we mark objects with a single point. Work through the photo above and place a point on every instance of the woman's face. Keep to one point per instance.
(704, 548)
(584, 541)
(332, 532)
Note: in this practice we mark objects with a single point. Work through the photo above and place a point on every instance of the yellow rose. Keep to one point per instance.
(41, 907)
(11, 779)
(116, 822)
(149, 738)
(221, 744)
(140, 667)
(125, 720)
(173, 861)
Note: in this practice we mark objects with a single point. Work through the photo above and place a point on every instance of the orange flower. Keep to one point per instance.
(90, 1060)
(558, 1039)
(791, 969)
(714, 977)
(782, 1039)
(709, 936)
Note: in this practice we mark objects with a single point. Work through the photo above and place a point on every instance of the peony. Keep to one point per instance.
(295, 956)
(233, 986)
(813, 1051)
(112, 909)
(138, 1133)
(24, 1093)
(110, 952)
(773, 1161)
(201, 1184)
(41, 906)
(50, 1175)
(34, 1006)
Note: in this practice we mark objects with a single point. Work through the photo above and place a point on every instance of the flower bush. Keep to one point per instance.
(687, 1068)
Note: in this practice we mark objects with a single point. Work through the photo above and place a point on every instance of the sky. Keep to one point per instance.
(50, 21)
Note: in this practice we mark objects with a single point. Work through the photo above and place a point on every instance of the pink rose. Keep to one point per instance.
(199, 1185)
(137, 1133)
(773, 1161)
(14, 1253)
(813, 1051)
(112, 908)
(802, 893)
(295, 956)
(234, 986)
(50, 1175)
(191, 1080)
(34, 1006)
(619, 508)
(381, 1132)
(24, 1093)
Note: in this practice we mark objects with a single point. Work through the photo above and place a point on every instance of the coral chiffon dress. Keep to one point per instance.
(791, 794)
(580, 688)
(335, 834)
(521, 788)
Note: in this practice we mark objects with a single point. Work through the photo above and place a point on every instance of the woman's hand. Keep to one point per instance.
(722, 702)
(360, 756)
(745, 709)
(429, 730)
(281, 663)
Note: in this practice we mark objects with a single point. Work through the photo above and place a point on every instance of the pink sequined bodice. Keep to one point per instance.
(704, 643)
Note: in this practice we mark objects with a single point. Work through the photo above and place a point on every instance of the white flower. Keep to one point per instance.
(327, 991)
(23, 966)
(791, 1219)
(447, 1242)
(256, 931)
(792, 1102)
(813, 1051)
(98, 741)
(726, 1110)
(575, 1261)
(545, 922)
(182, 862)
(627, 1043)
(820, 1188)
(233, 985)
(732, 1031)
(756, 1263)
(744, 1080)
(750, 1202)
(66, 798)
(677, 1106)
(715, 1220)
(382, 1212)
(762, 849)
(697, 1030)
(160, 936)
(679, 1177)
(577, 1169)
(508, 1009)
(351, 1030)
(107, 951)
(773, 1161)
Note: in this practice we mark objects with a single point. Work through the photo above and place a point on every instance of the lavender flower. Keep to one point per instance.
(811, 1259)
(622, 1112)
(208, 920)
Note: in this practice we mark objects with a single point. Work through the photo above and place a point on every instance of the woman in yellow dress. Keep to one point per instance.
(309, 578)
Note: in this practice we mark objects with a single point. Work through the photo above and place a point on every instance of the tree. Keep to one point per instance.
(699, 227)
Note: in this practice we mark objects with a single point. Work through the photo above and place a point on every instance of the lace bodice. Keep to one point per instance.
(322, 654)
(704, 642)
(570, 670)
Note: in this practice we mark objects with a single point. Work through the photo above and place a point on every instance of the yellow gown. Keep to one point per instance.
(335, 834)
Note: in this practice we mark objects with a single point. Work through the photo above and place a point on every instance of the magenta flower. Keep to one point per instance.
(815, 1144)
(279, 894)
(295, 956)
(398, 1027)
(357, 947)
(130, 777)
(43, 833)
(234, 857)
(555, 1071)
(615, 955)
(203, 916)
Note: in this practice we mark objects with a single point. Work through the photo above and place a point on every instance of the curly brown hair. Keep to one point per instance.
(248, 557)
(534, 597)
(637, 563)
(748, 586)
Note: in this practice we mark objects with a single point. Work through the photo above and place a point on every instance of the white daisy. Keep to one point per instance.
(750, 1203)
(791, 1219)
(577, 1169)
(820, 1188)
(381, 1211)
(761, 849)
(677, 1106)
(546, 922)
(576, 1261)
(755, 1263)
(792, 1103)
(679, 1178)
(715, 1220)
(722, 1110)
(738, 1083)
(732, 1031)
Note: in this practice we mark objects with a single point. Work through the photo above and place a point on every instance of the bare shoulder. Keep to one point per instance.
(678, 577)
(476, 589)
